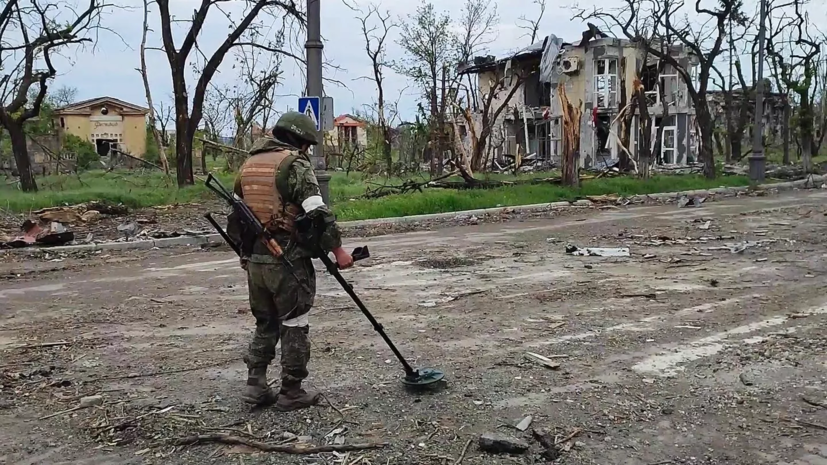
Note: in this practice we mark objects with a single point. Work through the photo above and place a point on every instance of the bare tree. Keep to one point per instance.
(164, 113)
(153, 126)
(63, 96)
(250, 98)
(794, 49)
(738, 95)
(217, 120)
(703, 36)
(188, 114)
(428, 42)
(434, 52)
(532, 24)
(30, 33)
(376, 36)
(500, 88)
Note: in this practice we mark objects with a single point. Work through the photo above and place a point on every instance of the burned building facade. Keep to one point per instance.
(591, 78)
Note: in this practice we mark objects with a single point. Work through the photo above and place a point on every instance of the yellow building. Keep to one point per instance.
(106, 122)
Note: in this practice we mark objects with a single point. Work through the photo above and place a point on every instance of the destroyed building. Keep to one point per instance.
(590, 77)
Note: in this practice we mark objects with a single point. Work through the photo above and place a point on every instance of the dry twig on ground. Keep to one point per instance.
(286, 449)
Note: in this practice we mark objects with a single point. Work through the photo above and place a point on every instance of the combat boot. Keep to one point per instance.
(296, 398)
(257, 391)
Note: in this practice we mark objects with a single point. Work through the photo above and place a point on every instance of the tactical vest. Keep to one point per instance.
(261, 194)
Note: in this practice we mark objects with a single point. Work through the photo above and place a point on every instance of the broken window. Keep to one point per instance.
(669, 143)
(556, 137)
(668, 82)
(536, 93)
(605, 82)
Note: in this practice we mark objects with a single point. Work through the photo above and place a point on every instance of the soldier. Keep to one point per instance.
(277, 182)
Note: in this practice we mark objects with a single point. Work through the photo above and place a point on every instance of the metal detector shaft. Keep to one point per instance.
(333, 269)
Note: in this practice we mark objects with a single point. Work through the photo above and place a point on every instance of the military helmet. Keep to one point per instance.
(298, 125)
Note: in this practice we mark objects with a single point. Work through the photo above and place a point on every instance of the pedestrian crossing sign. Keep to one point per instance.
(310, 106)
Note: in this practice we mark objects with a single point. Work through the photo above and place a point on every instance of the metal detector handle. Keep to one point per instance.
(333, 269)
(359, 253)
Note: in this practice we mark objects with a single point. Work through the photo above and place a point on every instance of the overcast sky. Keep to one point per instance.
(111, 68)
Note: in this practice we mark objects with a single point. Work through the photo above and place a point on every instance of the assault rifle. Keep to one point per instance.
(248, 220)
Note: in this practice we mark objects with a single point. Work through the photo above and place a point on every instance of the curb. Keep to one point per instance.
(538, 207)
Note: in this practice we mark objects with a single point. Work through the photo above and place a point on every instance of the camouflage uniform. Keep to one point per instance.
(279, 303)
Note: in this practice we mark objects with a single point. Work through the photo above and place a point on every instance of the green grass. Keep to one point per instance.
(133, 189)
(443, 200)
(146, 189)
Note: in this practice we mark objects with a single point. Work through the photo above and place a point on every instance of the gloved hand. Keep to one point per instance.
(243, 262)
(343, 259)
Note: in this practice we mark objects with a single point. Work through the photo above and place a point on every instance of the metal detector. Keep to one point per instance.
(419, 377)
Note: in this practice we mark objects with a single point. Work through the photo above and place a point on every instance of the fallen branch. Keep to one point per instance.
(42, 344)
(464, 451)
(286, 449)
(132, 421)
(222, 146)
(569, 437)
(145, 162)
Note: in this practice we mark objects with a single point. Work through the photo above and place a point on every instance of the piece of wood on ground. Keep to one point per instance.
(542, 360)
(287, 449)
(464, 451)
(42, 344)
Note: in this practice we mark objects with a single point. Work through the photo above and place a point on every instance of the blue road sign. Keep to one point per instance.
(310, 106)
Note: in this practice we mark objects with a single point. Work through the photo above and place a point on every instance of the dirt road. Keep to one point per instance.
(700, 348)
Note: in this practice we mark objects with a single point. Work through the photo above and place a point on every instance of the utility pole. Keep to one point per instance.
(757, 161)
(314, 47)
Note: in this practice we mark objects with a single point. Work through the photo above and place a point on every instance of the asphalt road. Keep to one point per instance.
(705, 346)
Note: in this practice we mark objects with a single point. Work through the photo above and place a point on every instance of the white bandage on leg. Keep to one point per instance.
(298, 322)
(312, 203)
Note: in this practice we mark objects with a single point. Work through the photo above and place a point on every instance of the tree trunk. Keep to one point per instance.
(785, 127)
(624, 163)
(183, 136)
(806, 121)
(736, 145)
(21, 157)
(386, 147)
(730, 129)
(644, 135)
(183, 149)
(707, 127)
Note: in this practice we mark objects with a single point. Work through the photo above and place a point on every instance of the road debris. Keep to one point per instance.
(85, 402)
(551, 451)
(496, 443)
(542, 360)
(267, 447)
(597, 251)
(690, 201)
(524, 423)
